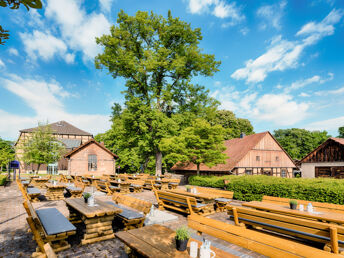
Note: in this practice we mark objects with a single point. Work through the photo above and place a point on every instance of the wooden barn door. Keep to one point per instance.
(323, 172)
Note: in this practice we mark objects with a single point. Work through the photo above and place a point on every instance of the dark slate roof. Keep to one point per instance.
(61, 127)
(70, 143)
(92, 141)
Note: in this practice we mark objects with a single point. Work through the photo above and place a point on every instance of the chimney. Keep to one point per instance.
(242, 135)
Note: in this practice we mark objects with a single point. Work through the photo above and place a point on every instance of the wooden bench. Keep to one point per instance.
(134, 217)
(173, 183)
(265, 244)
(330, 234)
(136, 185)
(51, 225)
(182, 203)
(105, 187)
(30, 193)
(150, 185)
(222, 201)
(319, 206)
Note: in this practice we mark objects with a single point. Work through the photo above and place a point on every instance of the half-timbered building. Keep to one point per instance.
(325, 161)
(256, 154)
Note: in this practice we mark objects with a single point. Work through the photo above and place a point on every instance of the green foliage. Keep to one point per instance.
(200, 143)
(87, 195)
(341, 132)
(15, 4)
(42, 147)
(233, 126)
(6, 153)
(182, 233)
(253, 188)
(293, 202)
(158, 58)
(299, 142)
(3, 179)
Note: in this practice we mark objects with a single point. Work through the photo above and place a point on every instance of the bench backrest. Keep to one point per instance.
(262, 243)
(320, 205)
(179, 199)
(22, 190)
(80, 185)
(132, 202)
(135, 181)
(220, 193)
(304, 228)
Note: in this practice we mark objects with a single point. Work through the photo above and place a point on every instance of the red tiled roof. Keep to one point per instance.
(61, 127)
(71, 153)
(236, 149)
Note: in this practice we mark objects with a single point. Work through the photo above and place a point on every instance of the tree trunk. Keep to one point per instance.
(145, 165)
(197, 169)
(158, 163)
(38, 168)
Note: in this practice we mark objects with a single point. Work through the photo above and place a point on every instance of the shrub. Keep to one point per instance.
(3, 178)
(253, 188)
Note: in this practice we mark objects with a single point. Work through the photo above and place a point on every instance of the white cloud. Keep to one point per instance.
(44, 45)
(13, 51)
(78, 28)
(219, 8)
(2, 64)
(284, 54)
(105, 5)
(304, 94)
(304, 82)
(330, 92)
(329, 124)
(272, 15)
(45, 98)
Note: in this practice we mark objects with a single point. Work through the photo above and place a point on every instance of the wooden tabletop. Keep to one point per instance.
(280, 208)
(205, 196)
(40, 179)
(58, 185)
(158, 241)
(101, 208)
(119, 183)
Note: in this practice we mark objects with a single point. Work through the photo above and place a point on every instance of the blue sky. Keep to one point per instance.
(282, 61)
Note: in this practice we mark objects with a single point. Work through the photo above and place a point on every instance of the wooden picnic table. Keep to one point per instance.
(55, 192)
(97, 219)
(40, 181)
(25, 183)
(75, 192)
(324, 216)
(203, 197)
(164, 183)
(158, 241)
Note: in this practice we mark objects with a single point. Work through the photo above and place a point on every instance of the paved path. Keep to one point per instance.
(16, 241)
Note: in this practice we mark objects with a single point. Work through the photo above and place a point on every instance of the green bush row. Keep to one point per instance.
(3, 179)
(253, 188)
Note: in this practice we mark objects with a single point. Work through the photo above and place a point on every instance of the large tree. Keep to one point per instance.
(158, 57)
(6, 153)
(341, 132)
(42, 147)
(199, 144)
(15, 4)
(299, 142)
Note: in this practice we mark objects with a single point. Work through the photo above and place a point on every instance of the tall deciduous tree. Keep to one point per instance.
(6, 153)
(299, 142)
(42, 147)
(200, 143)
(15, 4)
(158, 58)
(341, 132)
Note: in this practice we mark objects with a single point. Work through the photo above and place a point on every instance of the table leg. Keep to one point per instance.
(98, 229)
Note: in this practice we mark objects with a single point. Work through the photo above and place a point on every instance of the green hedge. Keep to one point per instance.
(252, 188)
(3, 179)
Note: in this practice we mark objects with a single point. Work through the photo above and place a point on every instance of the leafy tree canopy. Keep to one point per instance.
(299, 142)
(6, 153)
(158, 57)
(15, 4)
(200, 143)
(42, 147)
(341, 132)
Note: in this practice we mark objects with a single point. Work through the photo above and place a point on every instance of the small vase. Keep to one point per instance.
(85, 199)
(293, 206)
(188, 190)
(181, 244)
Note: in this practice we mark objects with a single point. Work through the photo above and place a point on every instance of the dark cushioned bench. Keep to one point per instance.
(54, 222)
(127, 213)
(73, 188)
(222, 200)
(33, 190)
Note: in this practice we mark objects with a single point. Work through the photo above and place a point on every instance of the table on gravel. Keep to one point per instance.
(323, 216)
(158, 241)
(164, 183)
(202, 197)
(25, 183)
(39, 182)
(75, 192)
(97, 219)
(55, 192)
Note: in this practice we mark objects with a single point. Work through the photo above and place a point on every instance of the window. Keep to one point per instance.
(283, 173)
(257, 158)
(248, 171)
(277, 158)
(92, 162)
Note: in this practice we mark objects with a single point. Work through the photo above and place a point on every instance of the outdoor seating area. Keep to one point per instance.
(268, 228)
